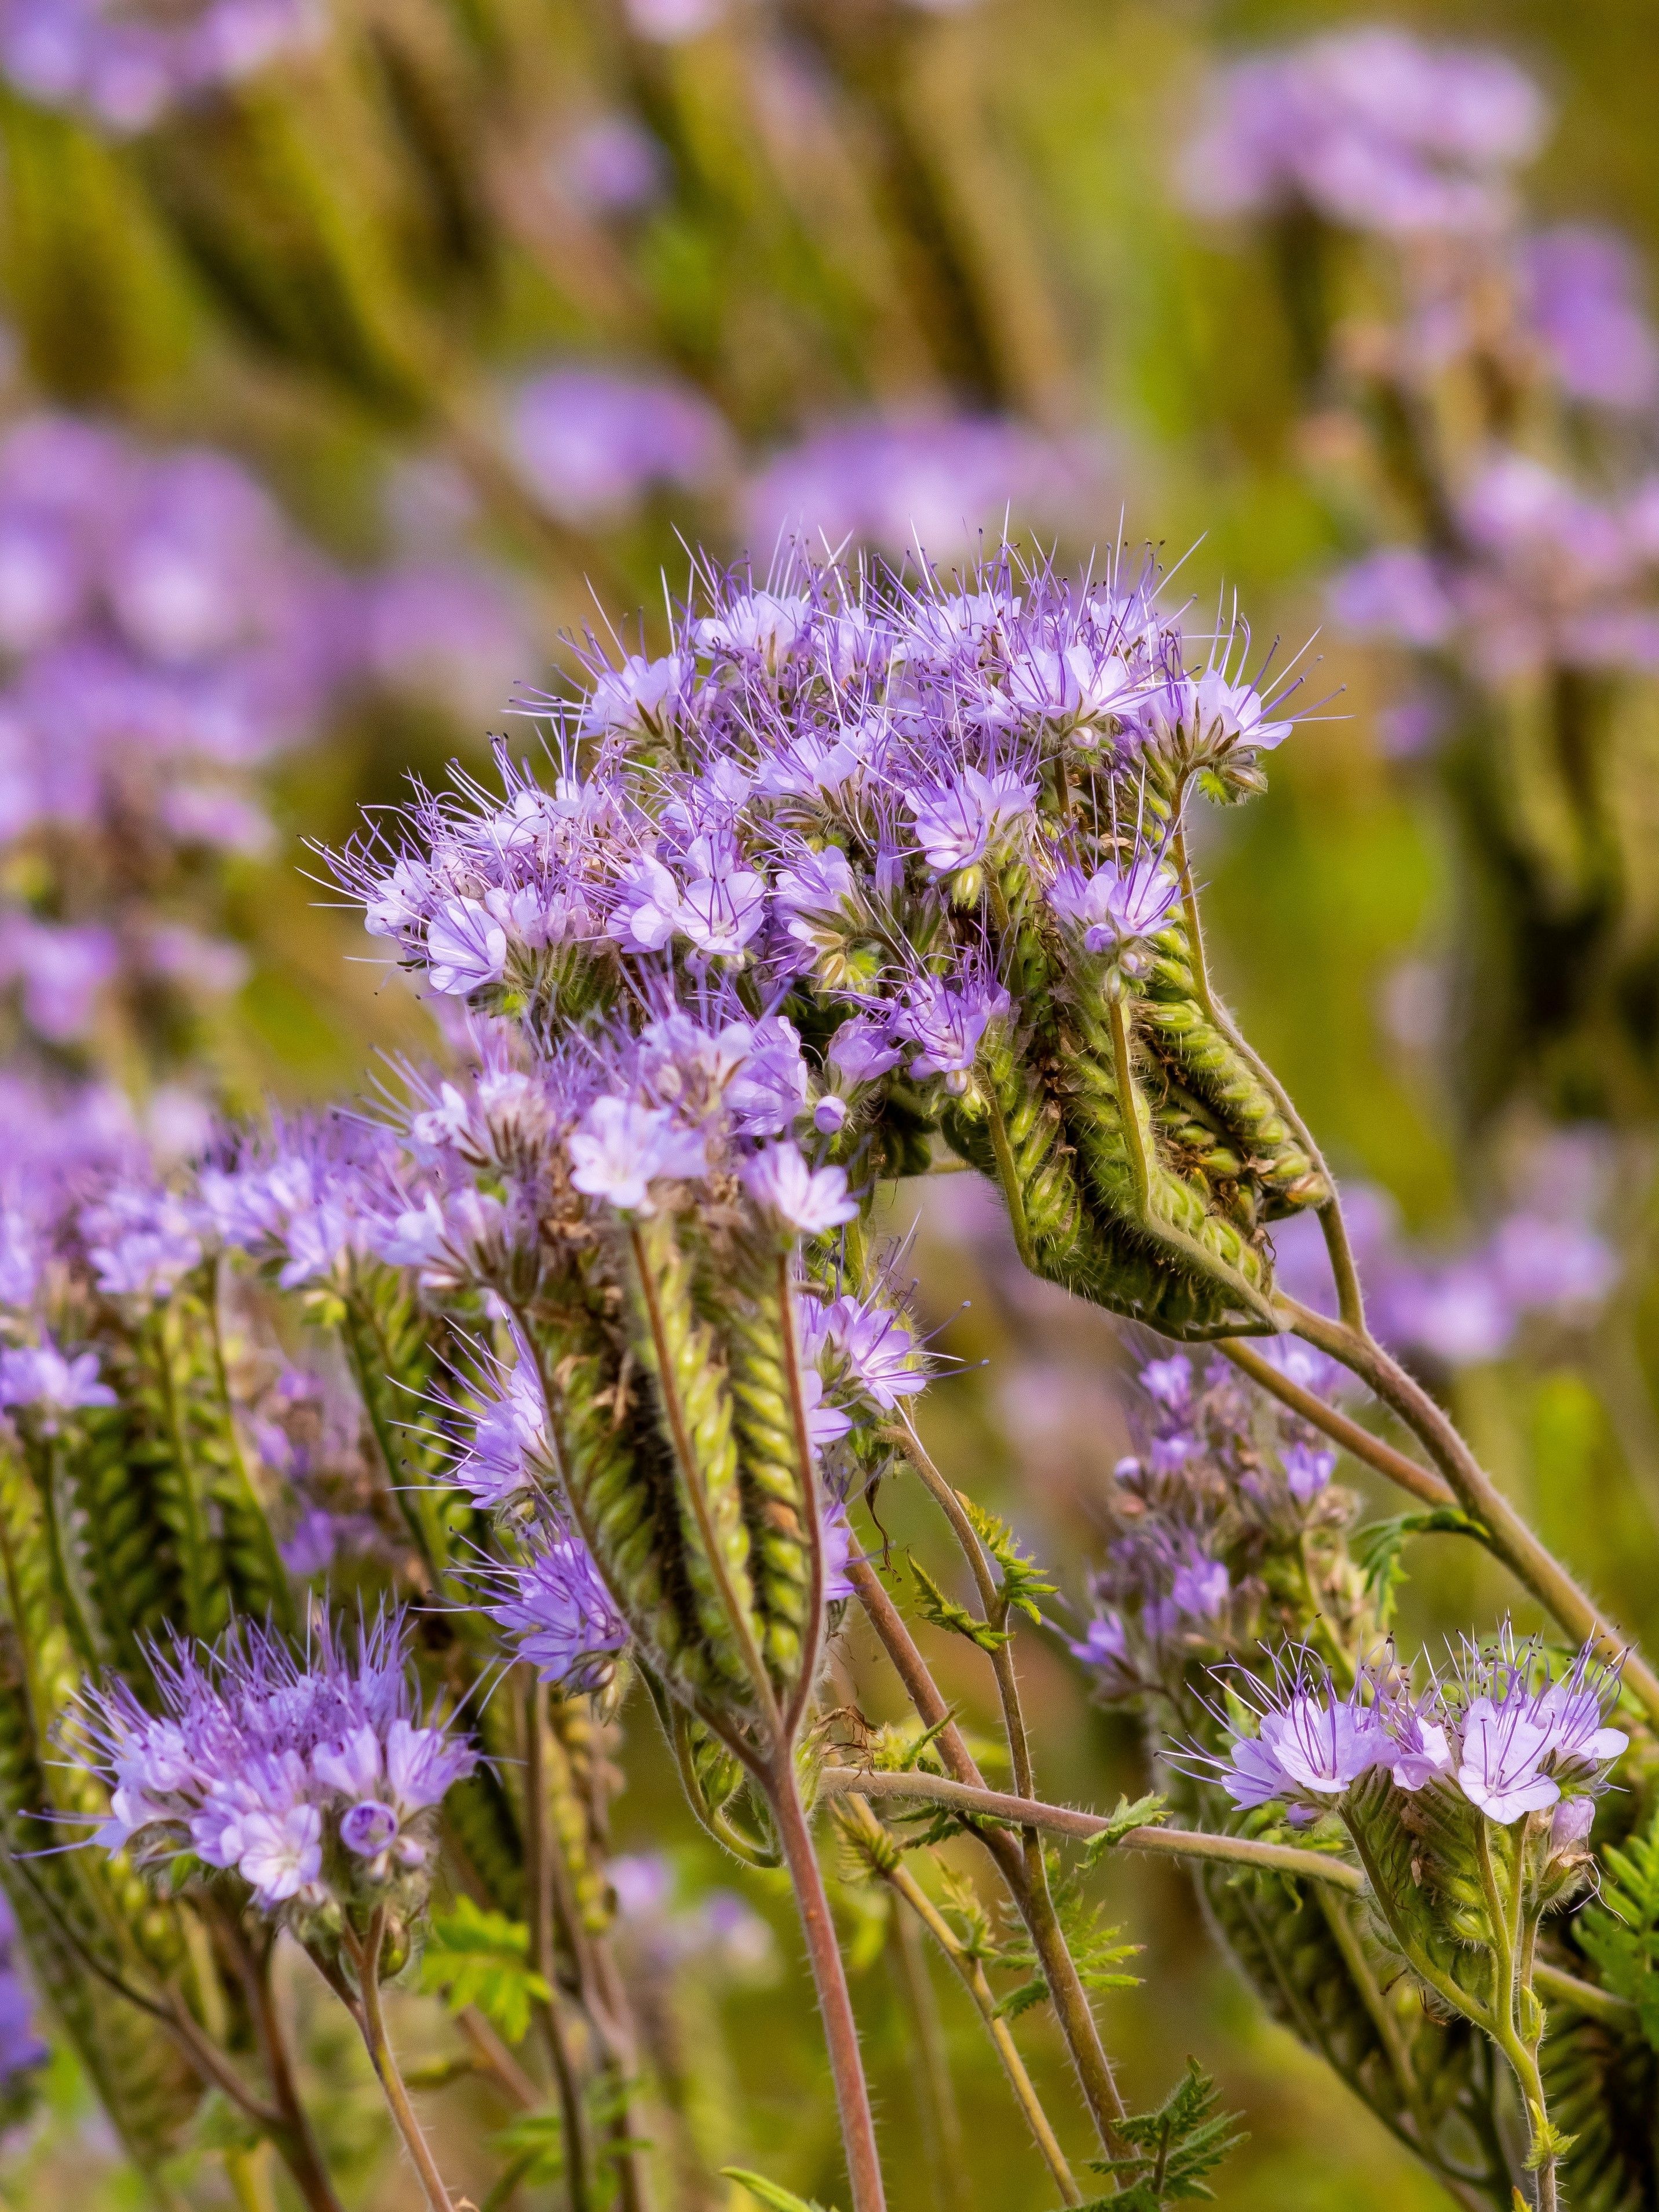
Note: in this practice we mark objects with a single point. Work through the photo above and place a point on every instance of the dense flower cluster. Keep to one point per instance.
(1370, 129)
(301, 1775)
(1503, 1730)
(1219, 1484)
(166, 635)
(812, 783)
(126, 68)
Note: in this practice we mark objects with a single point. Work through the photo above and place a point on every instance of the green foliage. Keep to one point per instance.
(1172, 2150)
(1021, 1582)
(473, 1957)
(1621, 1933)
(1379, 1548)
(768, 2193)
(1148, 1812)
(944, 1613)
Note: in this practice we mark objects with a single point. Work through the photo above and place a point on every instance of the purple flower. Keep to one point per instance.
(255, 1751)
(1396, 592)
(724, 902)
(945, 1022)
(1504, 1744)
(1307, 1469)
(560, 1616)
(1370, 128)
(837, 1551)
(641, 695)
(957, 822)
(592, 443)
(614, 165)
(813, 1200)
(1104, 1649)
(620, 1147)
(142, 1241)
(1170, 1381)
(126, 71)
(1115, 908)
(1583, 288)
(466, 947)
(879, 1352)
(509, 1440)
(42, 1379)
(862, 1051)
(769, 1087)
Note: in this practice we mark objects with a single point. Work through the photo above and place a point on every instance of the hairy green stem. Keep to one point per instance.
(971, 1971)
(1065, 1990)
(371, 2022)
(1372, 1450)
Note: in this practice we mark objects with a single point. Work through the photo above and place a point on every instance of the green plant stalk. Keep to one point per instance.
(538, 1894)
(1068, 1994)
(371, 2023)
(971, 1972)
(936, 2095)
(1072, 2006)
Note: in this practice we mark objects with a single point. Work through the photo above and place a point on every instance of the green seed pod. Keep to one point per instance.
(680, 1352)
(776, 1475)
(617, 1483)
(73, 1910)
(388, 1342)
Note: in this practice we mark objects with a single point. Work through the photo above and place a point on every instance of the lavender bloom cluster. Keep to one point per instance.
(1370, 128)
(939, 481)
(167, 636)
(1501, 1730)
(1195, 1517)
(1545, 1259)
(1542, 574)
(308, 1778)
(811, 786)
(126, 70)
(594, 442)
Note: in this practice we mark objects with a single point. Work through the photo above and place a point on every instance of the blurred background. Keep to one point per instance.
(358, 353)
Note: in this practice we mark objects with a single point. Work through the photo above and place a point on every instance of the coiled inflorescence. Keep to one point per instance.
(931, 836)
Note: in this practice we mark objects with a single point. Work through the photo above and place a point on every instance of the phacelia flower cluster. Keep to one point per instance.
(1368, 128)
(307, 1777)
(1506, 1731)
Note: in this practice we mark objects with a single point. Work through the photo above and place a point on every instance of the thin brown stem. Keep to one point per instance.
(1363, 1446)
(492, 2056)
(971, 1971)
(1337, 1911)
(857, 2125)
(295, 2143)
(370, 2021)
(1066, 1821)
(1528, 1559)
(1071, 2000)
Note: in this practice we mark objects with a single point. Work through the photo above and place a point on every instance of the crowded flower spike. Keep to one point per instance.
(605, 1358)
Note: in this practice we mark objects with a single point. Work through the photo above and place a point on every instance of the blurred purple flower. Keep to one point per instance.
(937, 483)
(593, 442)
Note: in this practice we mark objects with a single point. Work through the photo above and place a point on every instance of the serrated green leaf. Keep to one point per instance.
(1379, 1548)
(473, 1957)
(1148, 1812)
(944, 1613)
(1172, 2150)
(1620, 1932)
(1023, 1580)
